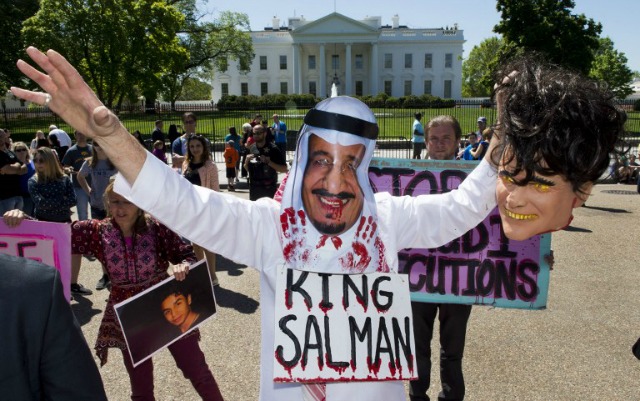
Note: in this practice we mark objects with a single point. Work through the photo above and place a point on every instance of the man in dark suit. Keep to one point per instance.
(158, 135)
(43, 352)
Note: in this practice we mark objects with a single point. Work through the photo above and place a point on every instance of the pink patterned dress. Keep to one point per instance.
(130, 269)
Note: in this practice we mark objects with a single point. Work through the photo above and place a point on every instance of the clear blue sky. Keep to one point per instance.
(619, 18)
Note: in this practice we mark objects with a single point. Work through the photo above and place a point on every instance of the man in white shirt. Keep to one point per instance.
(63, 137)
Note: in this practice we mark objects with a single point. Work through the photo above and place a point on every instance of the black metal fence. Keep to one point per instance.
(395, 123)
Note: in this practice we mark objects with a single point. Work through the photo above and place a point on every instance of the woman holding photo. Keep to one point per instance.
(136, 251)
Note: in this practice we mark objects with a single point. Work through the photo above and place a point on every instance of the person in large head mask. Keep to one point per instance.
(329, 219)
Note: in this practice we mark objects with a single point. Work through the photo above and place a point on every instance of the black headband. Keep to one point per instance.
(340, 122)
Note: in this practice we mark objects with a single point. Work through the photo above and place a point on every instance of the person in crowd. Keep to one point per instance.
(22, 152)
(328, 188)
(443, 134)
(231, 158)
(94, 176)
(11, 168)
(417, 139)
(627, 170)
(45, 355)
(173, 134)
(53, 197)
(158, 135)
(158, 151)
(138, 135)
(270, 138)
(279, 130)
(179, 146)
(237, 139)
(263, 163)
(482, 125)
(471, 146)
(200, 170)
(146, 246)
(38, 141)
(57, 148)
(560, 129)
(73, 159)
(247, 132)
(483, 145)
(63, 137)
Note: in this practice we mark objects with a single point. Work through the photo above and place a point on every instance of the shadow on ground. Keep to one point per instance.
(606, 209)
(577, 229)
(226, 298)
(231, 267)
(83, 309)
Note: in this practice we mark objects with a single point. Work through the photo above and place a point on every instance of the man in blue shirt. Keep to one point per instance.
(279, 129)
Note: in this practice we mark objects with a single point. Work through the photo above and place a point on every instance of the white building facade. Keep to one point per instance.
(363, 57)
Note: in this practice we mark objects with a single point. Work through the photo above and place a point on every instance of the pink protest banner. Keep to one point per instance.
(482, 266)
(49, 243)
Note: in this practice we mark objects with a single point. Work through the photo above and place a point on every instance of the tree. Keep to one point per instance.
(12, 14)
(547, 26)
(208, 44)
(610, 66)
(121, 47)
(479, 67)
(195, 89)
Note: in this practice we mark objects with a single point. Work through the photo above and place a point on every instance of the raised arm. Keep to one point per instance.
(69, 96)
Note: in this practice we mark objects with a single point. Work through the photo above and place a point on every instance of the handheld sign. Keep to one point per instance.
(481, 267)
(48, 243)
(342, 327)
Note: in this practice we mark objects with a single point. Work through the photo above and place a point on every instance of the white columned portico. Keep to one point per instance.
(296, 68)
(323, 74)
(347, 61)
(373, 84)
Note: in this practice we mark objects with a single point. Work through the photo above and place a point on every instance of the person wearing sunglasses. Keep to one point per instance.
(10, 169)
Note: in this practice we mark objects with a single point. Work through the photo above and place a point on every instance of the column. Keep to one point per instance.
(296, 68)
(347, 84)
(322, 86)
(373, 84)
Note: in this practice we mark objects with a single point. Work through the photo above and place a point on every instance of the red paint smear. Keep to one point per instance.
(347, 262)
(320, 365)
(362, 221)
(286, 296)
(399, 365)
(373, 367)
(361, 302)
(289, 251)
(337, 242)
(302, 217)
(378, 309)
(284, 365)
(305, 255)
(392, 368)
(353, 365)
(338, 369)
(383, 267)
(324, 308)
(323, 240)
(361, 251)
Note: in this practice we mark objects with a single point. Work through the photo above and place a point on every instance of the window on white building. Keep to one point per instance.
(407, 88)
(427, 87)
(312, 62)
(263, 62)
(447, 89)
(359, 61)
(428, 60)
(224, 89)
(408, 60)
(284, 88)
(264, 88)
(283, 62)
(387, 87)
(335, 62)
(359, 88)
(448, 60)
(312, 87)
(388, 60)
(244, 88)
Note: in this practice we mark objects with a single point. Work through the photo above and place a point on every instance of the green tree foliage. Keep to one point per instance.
(549, 27)
(479, 67)
(119, 46)
(610, 66)
(12, 14)
(195, 89)
(208, 44)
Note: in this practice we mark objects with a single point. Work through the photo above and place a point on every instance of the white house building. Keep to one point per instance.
(364, 57)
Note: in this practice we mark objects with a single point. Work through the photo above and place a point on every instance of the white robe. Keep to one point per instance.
(220, 222)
